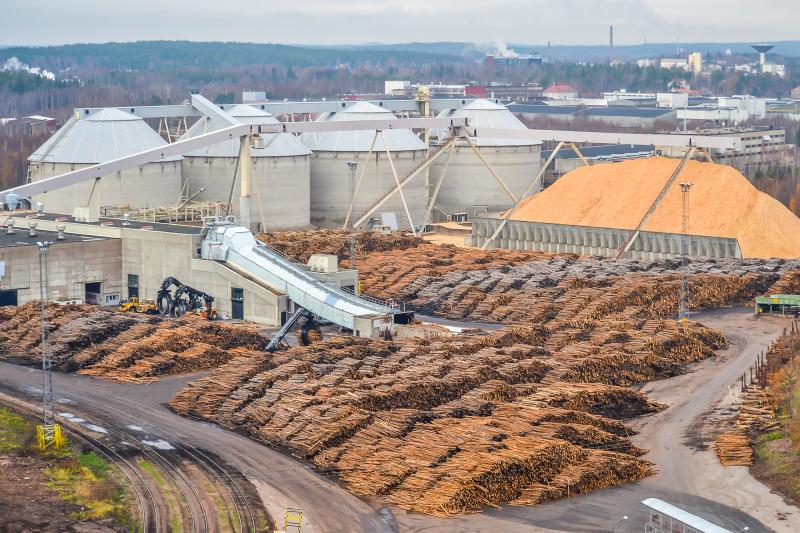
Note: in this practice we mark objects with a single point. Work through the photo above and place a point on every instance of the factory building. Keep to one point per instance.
(621, 116)
(279, 177)
(383, 159)
(468, 182)
(98, 137)
(79, 267)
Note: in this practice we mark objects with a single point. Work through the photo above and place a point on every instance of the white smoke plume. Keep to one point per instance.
(499, 48)
(14, 65)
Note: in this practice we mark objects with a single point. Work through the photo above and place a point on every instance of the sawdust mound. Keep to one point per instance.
(722, 203)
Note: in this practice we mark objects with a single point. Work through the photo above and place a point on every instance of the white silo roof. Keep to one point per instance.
(102, 136)
(485, 114)
(360, 141)
(275, 145)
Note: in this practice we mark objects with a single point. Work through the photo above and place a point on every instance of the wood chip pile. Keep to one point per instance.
(121, 346)
(452, 425)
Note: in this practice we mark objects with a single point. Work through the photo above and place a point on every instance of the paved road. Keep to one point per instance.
(688, 478)
(281, 481)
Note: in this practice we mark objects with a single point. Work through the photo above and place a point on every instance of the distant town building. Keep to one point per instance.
(644, 63)
(761, 146)
(253, 96)
(674, 63)
(772, 68)
(796, 93)
(695, 62)
(560, 92)
(30, 125)
(396, 87)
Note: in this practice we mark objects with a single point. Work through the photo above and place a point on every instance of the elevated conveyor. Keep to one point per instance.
(238, 248)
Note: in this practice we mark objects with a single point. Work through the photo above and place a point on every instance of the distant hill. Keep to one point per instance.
(147, 55)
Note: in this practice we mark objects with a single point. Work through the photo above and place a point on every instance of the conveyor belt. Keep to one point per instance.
(237, 247)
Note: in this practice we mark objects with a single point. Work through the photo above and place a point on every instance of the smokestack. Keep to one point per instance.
(611, 44)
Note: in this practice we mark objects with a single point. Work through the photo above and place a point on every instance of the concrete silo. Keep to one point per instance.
(279, 176)
(468, 182)
(333, 185)
(99, 137)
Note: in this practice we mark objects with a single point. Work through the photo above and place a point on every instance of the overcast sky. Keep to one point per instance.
(360, 21)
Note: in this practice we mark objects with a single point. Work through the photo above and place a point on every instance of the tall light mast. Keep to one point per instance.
(683, 303)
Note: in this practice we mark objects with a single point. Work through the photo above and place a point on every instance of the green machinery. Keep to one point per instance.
(779, 304)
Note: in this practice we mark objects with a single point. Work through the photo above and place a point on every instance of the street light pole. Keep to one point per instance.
(614, 527)
(49, 433)
(683, 304)
(352, 165)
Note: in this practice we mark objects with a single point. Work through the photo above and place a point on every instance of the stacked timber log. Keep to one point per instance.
(734, 446)
(448, 425)
(121, 346)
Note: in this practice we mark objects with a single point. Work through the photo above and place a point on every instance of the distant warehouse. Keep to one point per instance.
(620, 116)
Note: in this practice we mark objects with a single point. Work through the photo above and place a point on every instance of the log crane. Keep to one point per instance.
(176, 299)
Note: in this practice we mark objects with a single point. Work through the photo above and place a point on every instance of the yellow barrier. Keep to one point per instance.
(50, 436)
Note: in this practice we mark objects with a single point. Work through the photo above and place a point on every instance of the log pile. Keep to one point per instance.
(453, 424)
(299, 245)
(734, 446)
(124, 347)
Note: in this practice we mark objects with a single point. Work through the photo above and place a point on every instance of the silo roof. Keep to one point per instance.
(275, 144)
(485, 114)
(360, 141)
(102, 136)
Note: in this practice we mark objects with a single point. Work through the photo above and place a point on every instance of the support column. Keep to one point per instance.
(245, 168)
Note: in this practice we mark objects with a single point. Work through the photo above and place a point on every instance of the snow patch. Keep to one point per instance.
(160, 444)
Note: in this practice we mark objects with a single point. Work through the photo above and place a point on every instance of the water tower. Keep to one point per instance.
(762, 49)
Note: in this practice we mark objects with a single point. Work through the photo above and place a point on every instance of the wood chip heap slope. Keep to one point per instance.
(722, 203)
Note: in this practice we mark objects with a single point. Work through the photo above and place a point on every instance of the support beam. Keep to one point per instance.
(624, 249)
(399, 186)
(511, 212)
(436, 189)
(405, 180)
(580, 155)
(491, 170)
(597, 137)
(360, 179)
(211, 110)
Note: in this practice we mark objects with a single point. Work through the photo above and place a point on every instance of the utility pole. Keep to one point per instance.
(353, 165)
(49, 433)
(683, 304)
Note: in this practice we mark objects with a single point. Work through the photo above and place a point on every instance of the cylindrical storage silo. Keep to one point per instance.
(99, 137)
(468, 183)
(332, 184)
(279, 175)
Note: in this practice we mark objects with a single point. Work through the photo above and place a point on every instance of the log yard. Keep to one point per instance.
(312, 339)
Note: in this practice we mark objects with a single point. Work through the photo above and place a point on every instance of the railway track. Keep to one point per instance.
(150, 516)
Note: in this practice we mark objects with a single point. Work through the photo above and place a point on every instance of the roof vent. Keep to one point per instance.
(39, 209)
(61, 228)
(10, 227)
(258, 142)
(32, 229)
(126, 219)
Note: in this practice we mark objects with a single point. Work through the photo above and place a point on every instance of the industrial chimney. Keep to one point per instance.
(611, 44)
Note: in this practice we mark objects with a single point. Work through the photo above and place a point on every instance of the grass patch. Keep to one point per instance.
(772, 435)
(151, 469)
(778, 465)
(16, 433)
(90, 486)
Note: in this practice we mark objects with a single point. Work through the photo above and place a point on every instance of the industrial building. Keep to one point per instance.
(280, 172)
(760, 145)
(85, 268)
(382, 158)
(97, 137)
(468, 183)
(622, 116)
(567, 159)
